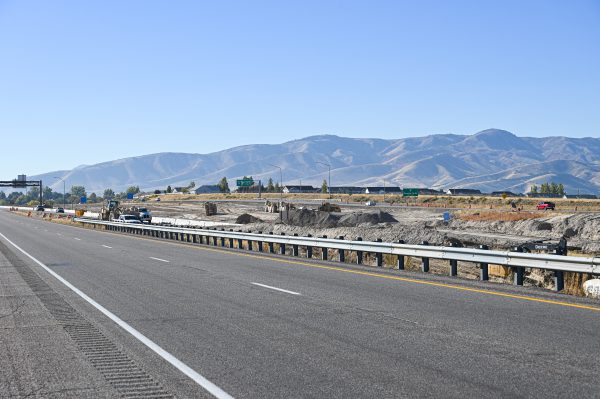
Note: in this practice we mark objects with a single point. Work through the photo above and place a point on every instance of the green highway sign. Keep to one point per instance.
(410, 192)
(245, 182)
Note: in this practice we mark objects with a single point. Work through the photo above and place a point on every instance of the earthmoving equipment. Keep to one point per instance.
(559, 248)
(110, 210)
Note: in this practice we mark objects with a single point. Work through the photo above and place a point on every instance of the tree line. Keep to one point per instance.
(548, 188)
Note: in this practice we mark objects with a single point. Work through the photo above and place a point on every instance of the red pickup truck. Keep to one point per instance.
(543, 206)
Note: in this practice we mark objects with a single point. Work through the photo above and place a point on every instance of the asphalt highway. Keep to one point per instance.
(263, 326)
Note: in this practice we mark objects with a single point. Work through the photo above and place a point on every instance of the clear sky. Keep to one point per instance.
(83, 82)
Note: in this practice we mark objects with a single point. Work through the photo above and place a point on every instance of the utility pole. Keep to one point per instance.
(329, 180)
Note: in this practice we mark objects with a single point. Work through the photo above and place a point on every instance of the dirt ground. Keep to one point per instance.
(497, 229)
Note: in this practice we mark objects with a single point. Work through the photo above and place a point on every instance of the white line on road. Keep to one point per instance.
(276, 289)
(184, 368)
(59, 234)
(78, 239)
(159, 259)
(106, 246)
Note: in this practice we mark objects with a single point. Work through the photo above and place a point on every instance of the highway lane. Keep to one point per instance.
(340, 334)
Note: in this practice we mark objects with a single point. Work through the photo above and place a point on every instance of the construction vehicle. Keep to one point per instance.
(110, 210)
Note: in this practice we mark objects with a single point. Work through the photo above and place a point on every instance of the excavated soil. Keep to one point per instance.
(306, 217)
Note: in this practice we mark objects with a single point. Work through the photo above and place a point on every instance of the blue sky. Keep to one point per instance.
(83, 82)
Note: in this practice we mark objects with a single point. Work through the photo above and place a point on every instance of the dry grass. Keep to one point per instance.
(497, 216)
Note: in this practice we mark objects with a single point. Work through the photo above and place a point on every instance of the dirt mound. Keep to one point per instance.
(358, 218)
(246, 218)
(306, 217)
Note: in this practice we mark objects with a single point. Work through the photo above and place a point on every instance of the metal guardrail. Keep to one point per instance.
(518, 261)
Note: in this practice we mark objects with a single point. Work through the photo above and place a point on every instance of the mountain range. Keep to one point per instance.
(490, 160)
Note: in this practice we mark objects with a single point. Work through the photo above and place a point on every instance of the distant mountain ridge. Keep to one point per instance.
(490, 160)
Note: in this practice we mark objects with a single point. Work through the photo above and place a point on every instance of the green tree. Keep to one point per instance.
(2, 195)
(132, 190)
(277, 188)
(78, 191)
(324, 187)
(108, 194)
(169, 190)
(561, 189)
(223, 185)
(93, 197)
(47, 192)
(534, 189)
(270, 186)
(553, 188)
(545, 188)
(191, 185)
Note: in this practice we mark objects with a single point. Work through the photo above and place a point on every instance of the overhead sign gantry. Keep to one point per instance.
(22, 182)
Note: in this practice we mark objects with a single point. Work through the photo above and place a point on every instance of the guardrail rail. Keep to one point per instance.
(517, 261)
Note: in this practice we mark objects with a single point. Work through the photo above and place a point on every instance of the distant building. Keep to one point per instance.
(299, 189)
(383, 190)
(346, 190)
(208, 189)
(179, 190)
(430, 191)
(463, 191)
(507, 193)
(581, 196)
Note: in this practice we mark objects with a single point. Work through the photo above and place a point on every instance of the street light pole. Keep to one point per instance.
(280, 182)
(329, 180)
(64, 191)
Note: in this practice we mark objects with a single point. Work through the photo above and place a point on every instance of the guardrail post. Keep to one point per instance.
(231, 240)
(559, 275)
(295, 250)
(260, 244)
(249, 242)
(342, 255)
(559, 280)
(271, 245)
(424, 261)
(359, 254)
(454, 262)
(222, 239)
(309, 249)
(379, 255)
(282, 247)
(240, 241)
(483, 267)
(400, 260)
(324, 251)
(518, 270)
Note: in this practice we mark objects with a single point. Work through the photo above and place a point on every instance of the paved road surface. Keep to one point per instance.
(271, 327)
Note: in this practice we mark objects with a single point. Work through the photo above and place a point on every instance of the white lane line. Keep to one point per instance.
(78, 239)
(184, 368)
(159, 259)
(106, 246)
(60, 234)
(276, 289)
